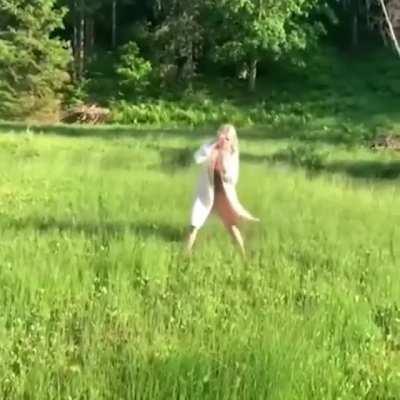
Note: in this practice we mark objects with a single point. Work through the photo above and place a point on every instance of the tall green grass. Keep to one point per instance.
(98, 302)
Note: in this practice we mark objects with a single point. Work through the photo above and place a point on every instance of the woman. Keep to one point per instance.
(217, 186)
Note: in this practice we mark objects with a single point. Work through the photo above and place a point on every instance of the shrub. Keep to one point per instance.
(133, 71)
(303, 155)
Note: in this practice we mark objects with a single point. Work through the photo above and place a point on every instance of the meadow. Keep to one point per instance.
(98, 300)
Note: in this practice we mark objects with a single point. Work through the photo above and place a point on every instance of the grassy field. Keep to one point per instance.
(98, 301)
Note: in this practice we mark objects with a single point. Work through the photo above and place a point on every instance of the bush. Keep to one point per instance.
(304, 155)
(194, 110)
(33, 68)
(133, 71)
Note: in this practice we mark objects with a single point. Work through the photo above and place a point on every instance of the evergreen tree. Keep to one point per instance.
(33, 62)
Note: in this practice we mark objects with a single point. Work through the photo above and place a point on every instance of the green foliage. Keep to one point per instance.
(183, 113)
(302, 155)
(33, 63)
(316, 103)
(179, 38)
(133, 70)
(253, 31)
(180, 42)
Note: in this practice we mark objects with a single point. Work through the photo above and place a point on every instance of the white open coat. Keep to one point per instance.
(204, 200)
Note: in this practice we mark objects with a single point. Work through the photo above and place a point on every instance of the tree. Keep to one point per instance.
(133, 70)
(93, 26)
(33, 62)
(180, 34)
(250, 30)
(82, 19)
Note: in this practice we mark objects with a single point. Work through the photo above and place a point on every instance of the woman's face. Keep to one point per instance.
(224, 141)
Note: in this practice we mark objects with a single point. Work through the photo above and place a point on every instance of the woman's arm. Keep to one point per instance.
(204, 153)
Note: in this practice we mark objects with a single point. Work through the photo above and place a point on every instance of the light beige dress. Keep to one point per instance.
(216, 190)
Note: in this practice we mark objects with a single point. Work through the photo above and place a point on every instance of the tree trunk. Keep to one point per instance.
(253, 75)
(89, 36)
(81, 58)
(75, 46)
(114, 25)
(368, 13)
(354, 38)
(390, 26)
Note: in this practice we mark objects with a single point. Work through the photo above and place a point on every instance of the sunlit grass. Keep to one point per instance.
(98, 301)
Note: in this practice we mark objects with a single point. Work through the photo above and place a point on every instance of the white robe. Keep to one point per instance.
(204, 200)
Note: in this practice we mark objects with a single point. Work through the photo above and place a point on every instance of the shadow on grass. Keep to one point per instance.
(367, 169)
(359, 169)
(255, 158)
(103, 230)
(100, 131)
(258, 133)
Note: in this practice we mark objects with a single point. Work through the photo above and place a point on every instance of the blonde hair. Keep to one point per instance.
(230, 131)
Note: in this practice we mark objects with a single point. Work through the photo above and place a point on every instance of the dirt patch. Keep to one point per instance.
(386, 142)
(87, 114)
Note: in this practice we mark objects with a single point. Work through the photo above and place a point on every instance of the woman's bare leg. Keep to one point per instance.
(237, 237)
(191, 239)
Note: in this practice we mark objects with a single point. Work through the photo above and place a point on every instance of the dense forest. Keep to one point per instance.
(56, 53)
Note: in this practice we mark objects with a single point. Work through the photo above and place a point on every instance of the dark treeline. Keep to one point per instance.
(49, 47)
